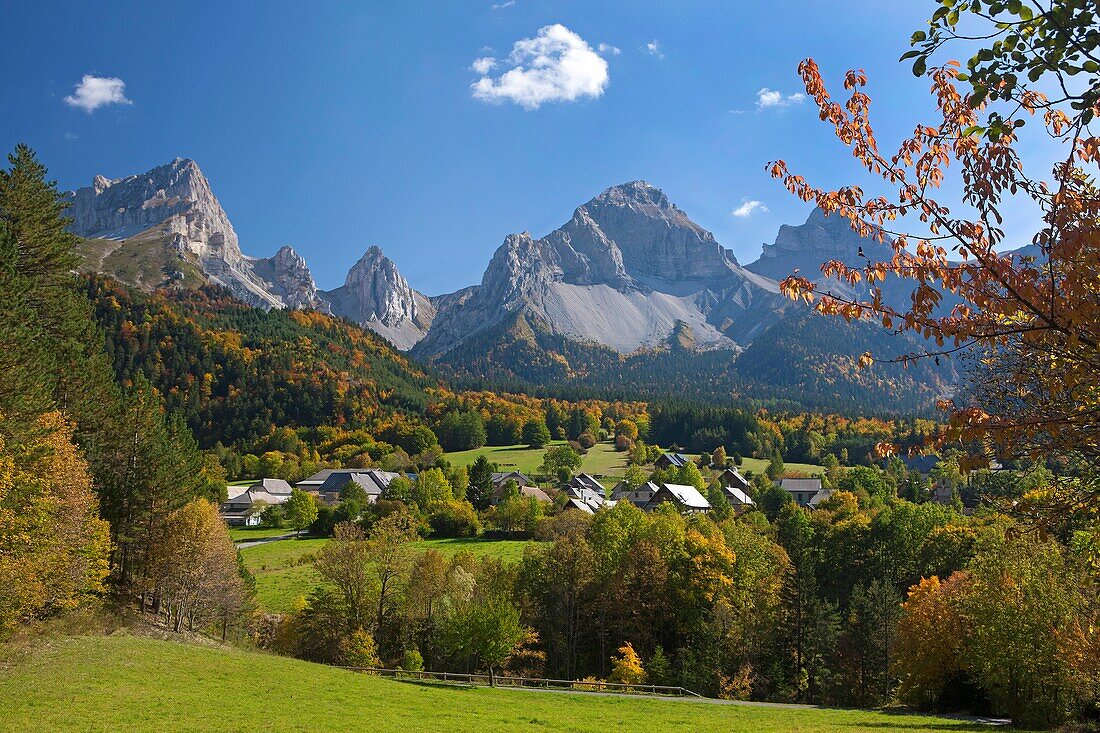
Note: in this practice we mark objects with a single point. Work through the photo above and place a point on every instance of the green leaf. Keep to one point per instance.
(920, 66)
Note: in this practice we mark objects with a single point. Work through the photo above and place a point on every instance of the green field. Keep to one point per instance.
(121, 682)
(601, 459)
(244, 534)
(284, 573)
(507, 458)
(506, 550)
(758, 465)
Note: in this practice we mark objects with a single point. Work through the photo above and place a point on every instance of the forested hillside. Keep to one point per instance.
(804, 362)
(236, 372)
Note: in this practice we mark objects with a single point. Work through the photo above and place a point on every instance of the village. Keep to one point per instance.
(246, 502)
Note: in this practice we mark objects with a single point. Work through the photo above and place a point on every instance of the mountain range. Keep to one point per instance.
(629, 280)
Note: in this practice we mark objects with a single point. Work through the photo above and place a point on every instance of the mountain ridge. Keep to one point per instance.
(626, 283)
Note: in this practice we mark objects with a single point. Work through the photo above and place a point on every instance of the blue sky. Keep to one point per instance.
(336, 126)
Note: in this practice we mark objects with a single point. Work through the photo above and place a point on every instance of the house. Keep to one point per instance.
(525, 492)
(373, 481)
(732, 478)
(686, 498)
(671, 460)
(313, 483)
(579, 506)
(921, 464)
(585, 481)
(639, 496)
(499, 479)
(587, 496)
(806, 492)
(244, 505)
(737, 498)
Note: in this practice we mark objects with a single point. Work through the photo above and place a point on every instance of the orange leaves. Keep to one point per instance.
(866, 360)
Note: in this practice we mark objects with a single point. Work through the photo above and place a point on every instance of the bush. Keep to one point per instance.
(586, 440)
(623, 443)
(273, 516)
(413, 661)
(454, 519)
(359, 650)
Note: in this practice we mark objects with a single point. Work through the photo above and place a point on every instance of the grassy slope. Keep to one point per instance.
(283, 571)
(759, 465)
(247, 534)
(125, 683)
(601, 460)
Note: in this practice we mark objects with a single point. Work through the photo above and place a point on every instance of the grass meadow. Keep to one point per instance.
(126, 682)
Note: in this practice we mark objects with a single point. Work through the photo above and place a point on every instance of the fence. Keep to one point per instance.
(537, 683)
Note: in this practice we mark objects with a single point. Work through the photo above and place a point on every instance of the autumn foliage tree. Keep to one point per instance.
(195, 575)
(1028, 321)
(53, 546)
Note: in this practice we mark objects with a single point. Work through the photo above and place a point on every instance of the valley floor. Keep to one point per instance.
(123, 682)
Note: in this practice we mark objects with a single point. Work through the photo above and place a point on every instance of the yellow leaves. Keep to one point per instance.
(865, 360)
(53, 546)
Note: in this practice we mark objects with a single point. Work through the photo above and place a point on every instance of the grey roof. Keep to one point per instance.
(676, 459)
(686, 496)
(585, 481)
(525, 492)
(501, 478)
(272, 486)
(923, 464)
(800, 484)
(241, 502)
(578, 504)
(737, 496)
(590, 497)
(318, 478)
(819, 497)
(732, 474)
(372, 480)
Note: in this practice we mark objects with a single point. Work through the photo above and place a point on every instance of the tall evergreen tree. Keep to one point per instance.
(480, 490)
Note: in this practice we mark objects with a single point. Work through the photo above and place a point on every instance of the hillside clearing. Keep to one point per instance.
(122, 682)
(284, 572)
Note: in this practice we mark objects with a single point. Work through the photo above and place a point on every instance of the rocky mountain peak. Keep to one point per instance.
(176, 194)
(636, 193)
(375, 294)
(288, 277)
(804, 247)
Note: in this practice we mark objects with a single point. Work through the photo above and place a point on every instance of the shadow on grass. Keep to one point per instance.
(945, 724)
(438, 683)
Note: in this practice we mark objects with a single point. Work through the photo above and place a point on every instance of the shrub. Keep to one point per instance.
(454, 519)
(359, 650)
(413, 661)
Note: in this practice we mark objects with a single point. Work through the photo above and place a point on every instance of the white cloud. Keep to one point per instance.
(608, 48)
(94, 92)
(769, 99)
(505, 4)
(484, 65)
(556, 65)
(71, 136)
(748, 207)
(653, 48)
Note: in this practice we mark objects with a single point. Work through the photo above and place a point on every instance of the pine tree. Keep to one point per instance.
(480, 490)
